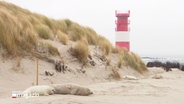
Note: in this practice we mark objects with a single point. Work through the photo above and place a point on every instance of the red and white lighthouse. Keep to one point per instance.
(122, 29)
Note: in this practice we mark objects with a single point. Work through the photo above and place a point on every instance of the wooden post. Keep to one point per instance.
(36, 71)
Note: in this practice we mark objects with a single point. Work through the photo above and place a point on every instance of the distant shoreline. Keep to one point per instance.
(163, 58)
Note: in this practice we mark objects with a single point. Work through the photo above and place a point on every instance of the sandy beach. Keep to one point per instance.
(145, 90)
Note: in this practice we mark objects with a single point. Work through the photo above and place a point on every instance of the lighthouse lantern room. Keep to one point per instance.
(122, 29)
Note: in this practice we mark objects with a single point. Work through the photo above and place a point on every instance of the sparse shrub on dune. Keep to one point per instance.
(120, 52)
(17, 64)
(115, 74)
(63, 38)
(80, 51)
(108, 62)
(120, 61)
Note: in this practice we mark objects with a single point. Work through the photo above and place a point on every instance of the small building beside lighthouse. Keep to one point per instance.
(122, 29)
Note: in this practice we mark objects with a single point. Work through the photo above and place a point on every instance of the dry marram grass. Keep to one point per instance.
(80, 51)
(44, 31)
(53, 50)
(108, 62)
(133, 60)
(91, 36)
(63, 38)
(76, 32)
(120, 62)
(105, 45)
(115, 74)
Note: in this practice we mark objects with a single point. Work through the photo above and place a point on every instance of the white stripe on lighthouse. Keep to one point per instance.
(122, 36)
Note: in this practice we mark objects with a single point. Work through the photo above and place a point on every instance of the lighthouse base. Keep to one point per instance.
(123, 45)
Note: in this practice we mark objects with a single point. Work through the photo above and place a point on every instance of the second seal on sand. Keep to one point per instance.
(72, 89)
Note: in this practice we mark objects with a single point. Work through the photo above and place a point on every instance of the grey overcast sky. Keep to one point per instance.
(157, 26)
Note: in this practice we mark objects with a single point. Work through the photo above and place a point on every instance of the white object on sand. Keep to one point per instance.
(42, 90)
(157, 76)
(128, 77)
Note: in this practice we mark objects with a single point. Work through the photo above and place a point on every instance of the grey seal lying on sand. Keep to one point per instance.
(72, 89)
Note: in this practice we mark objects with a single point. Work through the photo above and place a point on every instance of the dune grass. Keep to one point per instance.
(68, 22)
(105, 45)
(115, 50)
(91, 36)
(80, 50)
(63, 38)
(62, 26)
(44, 32)
(131, 59)
(115, 74)
(76, 32)
(20, 26)
(53, 50)
(140, 64)
(120, 62)
(22, 30)
(45, 48)
(119, 51)
(13, 33)
(108, 62)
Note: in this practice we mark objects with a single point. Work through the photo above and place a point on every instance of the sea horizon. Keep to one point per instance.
(163, 58)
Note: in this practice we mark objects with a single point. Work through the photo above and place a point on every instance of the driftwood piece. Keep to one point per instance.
(60, 67)
(92, 62)
(90, 57)
(47, 73)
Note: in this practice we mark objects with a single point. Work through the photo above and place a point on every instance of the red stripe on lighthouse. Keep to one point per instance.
(123, 44)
